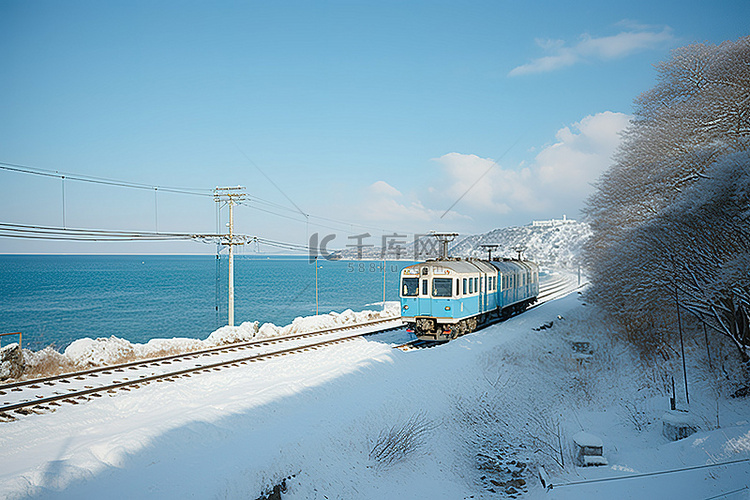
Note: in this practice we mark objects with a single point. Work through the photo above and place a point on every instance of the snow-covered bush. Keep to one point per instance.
(87, 352)
(45, 362)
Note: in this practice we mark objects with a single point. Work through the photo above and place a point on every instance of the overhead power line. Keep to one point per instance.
(348, 226)
(272, 182)
(252, 202)
(25, 231)
(12, 167)
(647, 474)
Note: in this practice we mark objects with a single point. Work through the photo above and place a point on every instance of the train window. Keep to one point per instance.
(465, 286)
(424, 287)
(442, 287)
(481, 284)
(476, 285)
(458, 287)
(471, 286)
(410, 287)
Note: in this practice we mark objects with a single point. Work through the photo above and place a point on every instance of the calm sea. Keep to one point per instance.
(56, 299)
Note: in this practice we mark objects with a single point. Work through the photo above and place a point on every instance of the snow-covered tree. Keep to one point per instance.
(670, 218)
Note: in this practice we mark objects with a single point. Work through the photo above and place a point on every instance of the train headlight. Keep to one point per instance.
(447, 308)
(406, 306)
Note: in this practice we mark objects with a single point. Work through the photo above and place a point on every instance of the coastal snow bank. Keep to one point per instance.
(89, 353)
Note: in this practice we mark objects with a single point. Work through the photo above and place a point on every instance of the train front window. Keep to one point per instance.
(410, 287)
(442, 287)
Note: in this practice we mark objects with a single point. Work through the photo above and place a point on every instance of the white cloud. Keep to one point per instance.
(384, 203)
(566, 170)
(383, 188)
(482, 184)
(488, 194)
(558, 180)
(589, 48)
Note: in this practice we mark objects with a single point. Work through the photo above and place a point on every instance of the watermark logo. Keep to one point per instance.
(392, 246)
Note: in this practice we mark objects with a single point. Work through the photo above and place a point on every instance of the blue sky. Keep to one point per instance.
(381, 114)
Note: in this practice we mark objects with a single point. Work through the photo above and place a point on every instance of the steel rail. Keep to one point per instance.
(145, 380)
(187, 355)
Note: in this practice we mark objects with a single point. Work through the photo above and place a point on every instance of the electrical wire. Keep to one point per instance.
(649, 474)
(25, 231)
(347, 225)
(251, 203)
(246, 204)
(13, 167)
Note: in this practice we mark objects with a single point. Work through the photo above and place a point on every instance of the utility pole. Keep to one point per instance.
(230, 195)
(682, 344)
(384, 281)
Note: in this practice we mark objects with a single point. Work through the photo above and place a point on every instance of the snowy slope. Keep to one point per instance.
(481, 404)
(554, 246)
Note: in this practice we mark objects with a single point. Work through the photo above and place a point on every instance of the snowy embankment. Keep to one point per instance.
(88, 353)
(363, 420)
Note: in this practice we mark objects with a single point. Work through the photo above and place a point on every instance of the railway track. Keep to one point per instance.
(552, 290)
(45, 394)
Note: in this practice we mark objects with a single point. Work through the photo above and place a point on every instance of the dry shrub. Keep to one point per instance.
(548, 436)
(396, 443)
(636, 413)
(45, 363)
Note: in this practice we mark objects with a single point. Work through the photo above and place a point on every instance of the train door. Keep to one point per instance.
(425, 304)
(482, 292)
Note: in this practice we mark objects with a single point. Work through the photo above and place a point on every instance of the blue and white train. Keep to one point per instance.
(446, 298)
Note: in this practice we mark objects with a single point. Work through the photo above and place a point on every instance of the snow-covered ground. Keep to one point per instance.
(364, 420)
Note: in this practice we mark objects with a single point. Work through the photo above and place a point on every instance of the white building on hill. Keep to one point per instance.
(552, 222)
